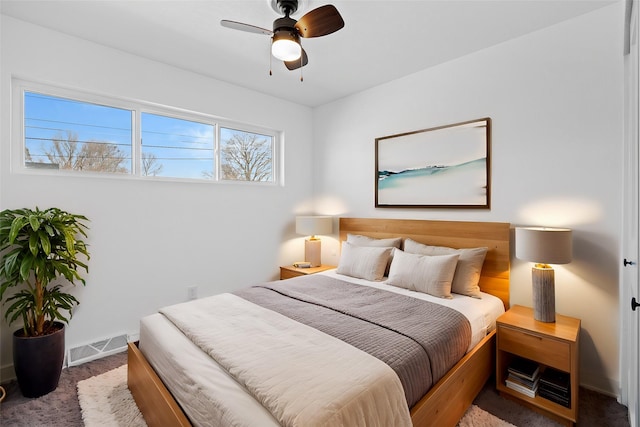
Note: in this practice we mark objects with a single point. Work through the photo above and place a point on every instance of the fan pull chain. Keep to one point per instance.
(301, 78)
(270, 73)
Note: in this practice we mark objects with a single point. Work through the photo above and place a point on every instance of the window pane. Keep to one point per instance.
(176, 148)
(245, 156)
(72, 135)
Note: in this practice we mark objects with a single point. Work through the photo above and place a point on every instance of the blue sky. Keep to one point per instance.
(184, 148)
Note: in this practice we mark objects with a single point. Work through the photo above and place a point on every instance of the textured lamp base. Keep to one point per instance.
(544, 294)
(312, 252)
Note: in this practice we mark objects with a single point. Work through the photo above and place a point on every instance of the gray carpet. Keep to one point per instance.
(61, 408)
(58, 408)
(594, 410)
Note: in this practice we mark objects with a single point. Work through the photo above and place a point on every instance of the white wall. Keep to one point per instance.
(555, 98)
(149, 241)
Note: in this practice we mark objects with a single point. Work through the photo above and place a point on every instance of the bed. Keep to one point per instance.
(444, 403)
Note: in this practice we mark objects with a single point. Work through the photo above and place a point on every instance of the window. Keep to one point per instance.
(71, 135)
(64, 131)
(176, 148)
(245, 156)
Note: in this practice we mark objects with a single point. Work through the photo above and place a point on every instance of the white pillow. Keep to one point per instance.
(467, 276)
(363, 262)
(427, 274)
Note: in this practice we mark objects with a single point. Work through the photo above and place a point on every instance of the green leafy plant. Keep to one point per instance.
(38, 247)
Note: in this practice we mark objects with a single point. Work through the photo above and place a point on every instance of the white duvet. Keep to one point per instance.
(304, 377)
(210, 396)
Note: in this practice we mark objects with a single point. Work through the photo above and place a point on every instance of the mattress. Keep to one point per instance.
(207, 392)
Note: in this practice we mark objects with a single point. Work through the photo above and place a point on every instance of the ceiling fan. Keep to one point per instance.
(286, 33)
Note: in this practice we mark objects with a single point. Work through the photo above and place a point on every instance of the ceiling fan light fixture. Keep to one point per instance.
(287, 31)
(285, 46)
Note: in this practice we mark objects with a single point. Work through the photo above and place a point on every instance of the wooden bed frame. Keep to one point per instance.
(448, 400)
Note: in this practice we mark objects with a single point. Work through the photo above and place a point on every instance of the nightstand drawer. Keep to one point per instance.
(289, 271)
(549, 352)
(288, 274)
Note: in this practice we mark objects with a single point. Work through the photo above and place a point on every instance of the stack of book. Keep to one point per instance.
(523, 377)
(555, 386)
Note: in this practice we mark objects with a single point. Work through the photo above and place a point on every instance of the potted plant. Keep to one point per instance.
(39, 251)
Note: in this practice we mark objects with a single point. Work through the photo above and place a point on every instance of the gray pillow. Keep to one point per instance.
(358, 240)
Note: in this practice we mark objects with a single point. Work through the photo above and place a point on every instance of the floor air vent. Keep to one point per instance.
(96, 350)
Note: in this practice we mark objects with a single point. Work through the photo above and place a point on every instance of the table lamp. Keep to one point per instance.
(313, 226)
(543, 246)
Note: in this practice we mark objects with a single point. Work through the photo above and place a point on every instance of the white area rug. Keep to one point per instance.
(476, 417)
(105, 401)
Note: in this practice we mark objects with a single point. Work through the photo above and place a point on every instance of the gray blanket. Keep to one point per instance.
(419, 340)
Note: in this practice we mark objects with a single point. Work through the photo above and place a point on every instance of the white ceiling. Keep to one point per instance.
(381, 40)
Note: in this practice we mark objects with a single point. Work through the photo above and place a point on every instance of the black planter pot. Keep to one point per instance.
(38, 361)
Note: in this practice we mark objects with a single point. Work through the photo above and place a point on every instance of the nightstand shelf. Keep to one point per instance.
(554, 345)
(289, 271)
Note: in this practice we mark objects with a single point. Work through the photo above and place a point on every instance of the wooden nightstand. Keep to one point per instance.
(289, 271)
(553, 345)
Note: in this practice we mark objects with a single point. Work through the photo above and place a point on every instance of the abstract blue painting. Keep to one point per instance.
(441, 167)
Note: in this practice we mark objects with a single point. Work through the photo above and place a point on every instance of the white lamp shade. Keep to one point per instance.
(544, 245)
(314, 225)
(285, 46)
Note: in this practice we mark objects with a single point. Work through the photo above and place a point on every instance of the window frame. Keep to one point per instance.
(137, 108)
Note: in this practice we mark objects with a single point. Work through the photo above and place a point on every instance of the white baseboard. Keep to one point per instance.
(7, 373)
(595, 382)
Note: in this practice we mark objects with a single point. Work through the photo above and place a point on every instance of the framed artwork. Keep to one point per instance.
(443, 167)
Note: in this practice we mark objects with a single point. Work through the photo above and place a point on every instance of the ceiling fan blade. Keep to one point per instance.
(295, 64)
(320, 22)
(245, 27)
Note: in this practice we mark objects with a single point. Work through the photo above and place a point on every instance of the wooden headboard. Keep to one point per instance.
(494, 278)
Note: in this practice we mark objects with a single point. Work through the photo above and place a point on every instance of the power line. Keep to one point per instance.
(66, 130)
(128, 130)
(175, 134)
(119, 144)
(62, 138)
(74, 157)
(77, 124)
(178, 148)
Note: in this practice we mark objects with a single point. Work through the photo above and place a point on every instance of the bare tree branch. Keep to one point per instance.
(246, 157)
(150, 165)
